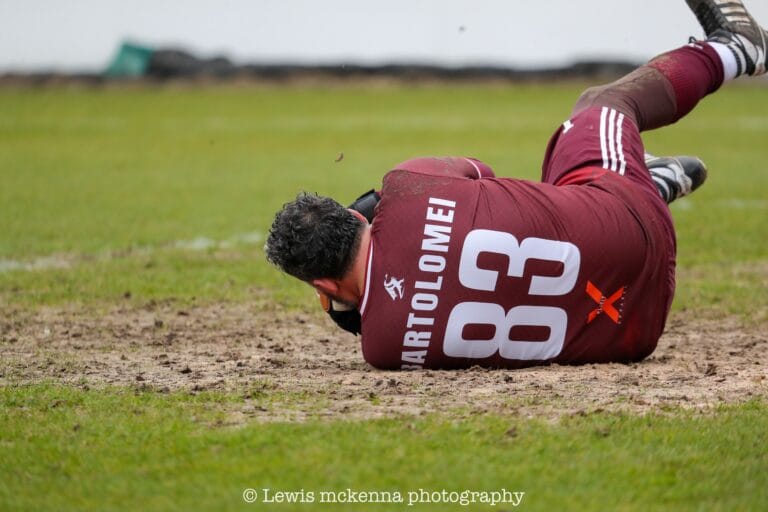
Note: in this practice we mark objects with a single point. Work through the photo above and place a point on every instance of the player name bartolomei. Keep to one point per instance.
(432, 263)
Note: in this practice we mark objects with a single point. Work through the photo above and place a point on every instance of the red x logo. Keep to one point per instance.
(604, 305)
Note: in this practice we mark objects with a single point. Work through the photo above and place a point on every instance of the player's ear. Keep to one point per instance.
(326, 285)
(359, 215)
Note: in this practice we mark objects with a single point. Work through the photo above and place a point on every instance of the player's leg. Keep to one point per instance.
(670, 86)
(604, 132)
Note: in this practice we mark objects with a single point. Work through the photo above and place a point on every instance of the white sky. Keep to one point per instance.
(84, 34)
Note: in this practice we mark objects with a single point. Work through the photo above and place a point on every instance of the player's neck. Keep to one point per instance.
(360, 265)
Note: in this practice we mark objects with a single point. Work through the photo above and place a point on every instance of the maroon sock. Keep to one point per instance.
(694, 72)
(662, 91)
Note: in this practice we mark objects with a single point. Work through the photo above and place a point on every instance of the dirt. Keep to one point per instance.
(294, 366)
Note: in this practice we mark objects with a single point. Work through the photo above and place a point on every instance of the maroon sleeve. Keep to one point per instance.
(453, 166)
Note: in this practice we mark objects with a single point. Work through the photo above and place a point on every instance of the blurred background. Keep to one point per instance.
(85, 35)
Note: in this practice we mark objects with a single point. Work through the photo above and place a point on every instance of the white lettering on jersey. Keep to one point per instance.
(436, 242)
(438, 237)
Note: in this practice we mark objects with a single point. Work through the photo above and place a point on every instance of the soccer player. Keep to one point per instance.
(461, 268)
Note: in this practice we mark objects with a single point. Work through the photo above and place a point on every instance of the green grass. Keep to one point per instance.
(116, 449)
(109, 180)
(115, 185)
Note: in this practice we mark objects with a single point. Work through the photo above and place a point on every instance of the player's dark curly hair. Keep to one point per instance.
(313, 237)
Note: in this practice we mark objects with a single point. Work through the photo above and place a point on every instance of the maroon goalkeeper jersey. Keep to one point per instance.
(468, 269)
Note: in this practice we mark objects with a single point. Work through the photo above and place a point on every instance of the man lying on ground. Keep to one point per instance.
(462, 268)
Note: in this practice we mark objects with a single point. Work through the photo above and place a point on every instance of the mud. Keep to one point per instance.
(294, 366)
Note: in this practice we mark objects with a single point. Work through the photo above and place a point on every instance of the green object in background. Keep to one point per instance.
(130, 60)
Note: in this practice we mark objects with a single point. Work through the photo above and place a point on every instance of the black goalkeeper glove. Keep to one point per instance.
(346, 317)
(366, 204)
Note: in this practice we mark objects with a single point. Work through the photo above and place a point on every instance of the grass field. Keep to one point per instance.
(113, 199)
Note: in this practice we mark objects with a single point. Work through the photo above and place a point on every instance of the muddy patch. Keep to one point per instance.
(293, 366)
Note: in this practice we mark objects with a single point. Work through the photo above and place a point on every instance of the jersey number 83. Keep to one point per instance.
(490, 313)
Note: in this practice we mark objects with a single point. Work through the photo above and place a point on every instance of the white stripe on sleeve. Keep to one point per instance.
(479, 174)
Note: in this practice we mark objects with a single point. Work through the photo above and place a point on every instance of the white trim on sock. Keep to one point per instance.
(730, 65)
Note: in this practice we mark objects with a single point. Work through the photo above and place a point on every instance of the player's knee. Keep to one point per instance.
(590, 98)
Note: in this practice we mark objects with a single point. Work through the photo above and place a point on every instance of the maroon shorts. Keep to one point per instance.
(601, 139)
(598, 147)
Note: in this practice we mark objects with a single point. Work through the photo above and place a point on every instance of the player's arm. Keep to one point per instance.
(458, 167)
